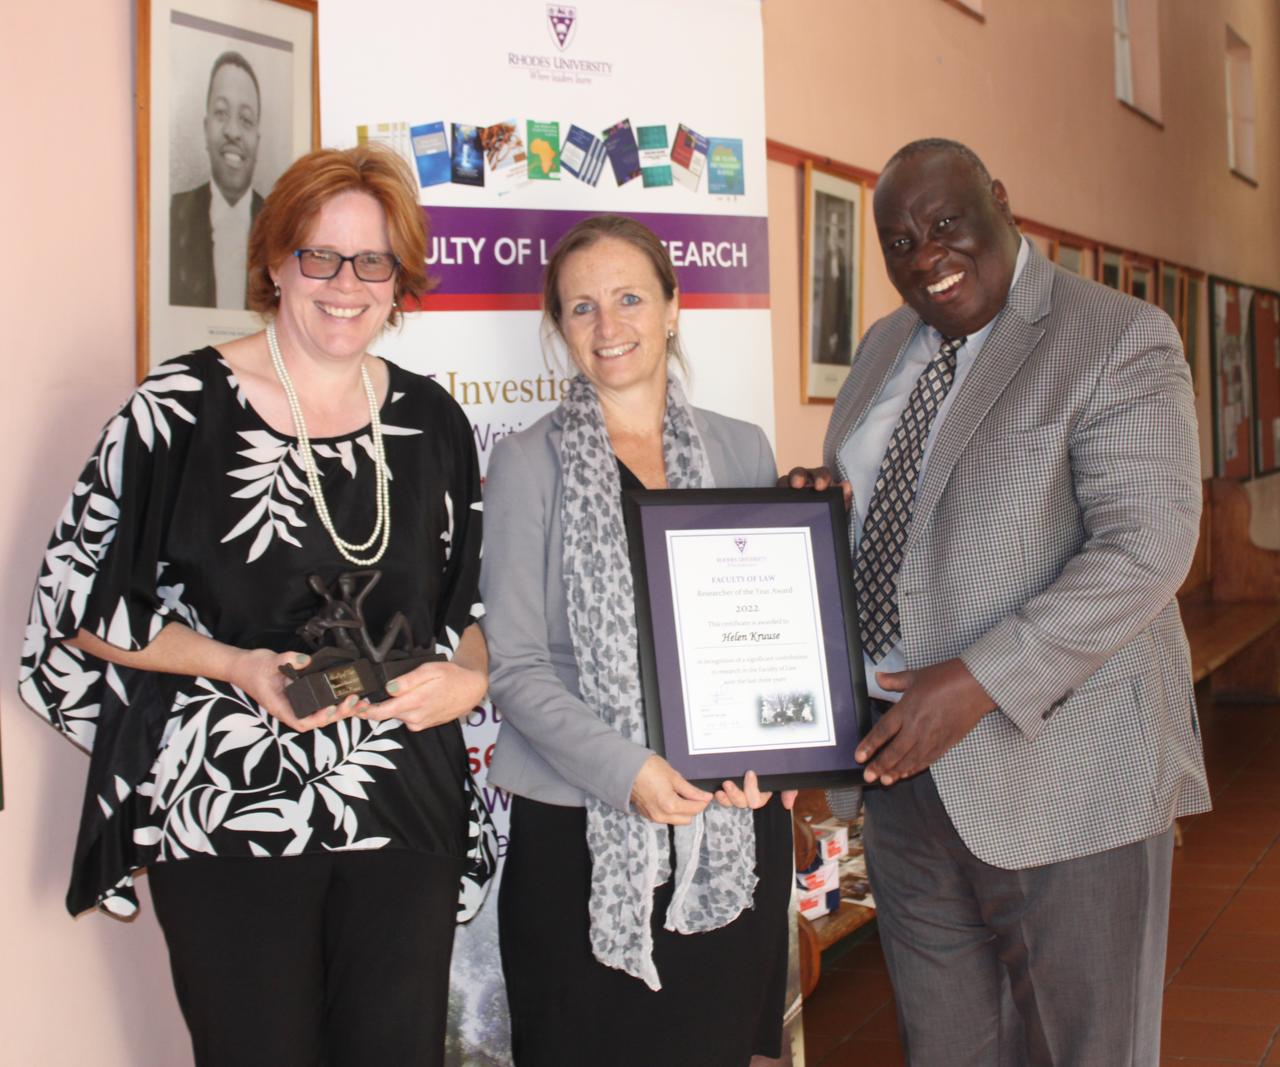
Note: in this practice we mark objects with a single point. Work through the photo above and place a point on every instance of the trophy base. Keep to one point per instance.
(319, 686)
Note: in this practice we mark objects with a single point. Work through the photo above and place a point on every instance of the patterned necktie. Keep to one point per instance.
(884, 534)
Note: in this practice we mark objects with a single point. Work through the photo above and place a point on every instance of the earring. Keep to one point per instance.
(671, 334)
(277, 293)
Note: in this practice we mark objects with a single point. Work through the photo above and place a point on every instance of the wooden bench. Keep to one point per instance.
(1230, 603)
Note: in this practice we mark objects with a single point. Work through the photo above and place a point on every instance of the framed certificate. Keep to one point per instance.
(749, 652)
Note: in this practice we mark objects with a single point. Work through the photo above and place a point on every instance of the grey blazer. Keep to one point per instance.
(1056, 519)
(551, 747)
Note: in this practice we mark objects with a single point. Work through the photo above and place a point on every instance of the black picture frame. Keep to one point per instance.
(649, 515)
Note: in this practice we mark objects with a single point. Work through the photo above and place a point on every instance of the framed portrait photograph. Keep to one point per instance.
(1231, 360)
(748, 634)
(1111, 269)
(228, 97)
(1193, 315)
(1070, 257)
(831, 303)
(1265, 329)
(1140, 282)
(1180, 294)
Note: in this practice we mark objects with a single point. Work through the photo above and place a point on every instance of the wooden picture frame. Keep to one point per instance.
(1194, 287)
(1264, 331)
(1231, 371)
(831, 293)
(228, 95)
(1069, 257)
(1180, 291)
(1171, 294)
(1141, 279)
(1111, 271)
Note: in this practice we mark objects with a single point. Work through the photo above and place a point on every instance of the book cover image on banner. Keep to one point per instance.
(395, 135)
(724, 166)
(655, 163)
(468, 156)
(431, 152)
(624, 154)
(544, 151)
(506, 165)
(688, 157)
(574, 97)
(583, 155)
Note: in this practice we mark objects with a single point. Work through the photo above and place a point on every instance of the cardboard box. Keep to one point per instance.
(833, 838)
(823, 877)
(815, 903)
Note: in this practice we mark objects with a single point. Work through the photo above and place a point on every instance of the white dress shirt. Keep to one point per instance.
(230, 224)
(863, 452)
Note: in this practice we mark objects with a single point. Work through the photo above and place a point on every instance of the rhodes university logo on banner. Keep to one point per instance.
(562, 24)
(562, 21)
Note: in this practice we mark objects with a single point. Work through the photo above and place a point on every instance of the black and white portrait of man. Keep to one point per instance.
(833, 281)
(229, 120)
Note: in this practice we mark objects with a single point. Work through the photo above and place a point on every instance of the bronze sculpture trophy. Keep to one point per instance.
(345, 661)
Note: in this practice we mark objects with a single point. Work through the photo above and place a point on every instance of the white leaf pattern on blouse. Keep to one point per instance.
(276, 483)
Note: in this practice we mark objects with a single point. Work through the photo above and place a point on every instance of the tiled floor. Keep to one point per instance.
(1222, 997)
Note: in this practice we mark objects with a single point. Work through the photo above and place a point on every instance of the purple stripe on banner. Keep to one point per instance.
(504, 250)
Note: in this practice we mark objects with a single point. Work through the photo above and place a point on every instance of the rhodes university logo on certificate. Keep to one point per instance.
(562, 21)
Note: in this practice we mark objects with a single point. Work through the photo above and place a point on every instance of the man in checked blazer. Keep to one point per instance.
(1036, 729)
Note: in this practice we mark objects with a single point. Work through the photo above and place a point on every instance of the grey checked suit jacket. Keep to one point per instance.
(1051, 529)
(551, 747)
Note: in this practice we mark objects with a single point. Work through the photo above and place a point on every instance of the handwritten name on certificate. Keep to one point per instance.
(749, 636)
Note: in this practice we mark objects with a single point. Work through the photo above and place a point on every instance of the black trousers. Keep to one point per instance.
(338, 959)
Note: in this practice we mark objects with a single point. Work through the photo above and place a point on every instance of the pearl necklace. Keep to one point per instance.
(383, 498)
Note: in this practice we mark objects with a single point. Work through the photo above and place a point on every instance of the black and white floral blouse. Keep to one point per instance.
(193, 510)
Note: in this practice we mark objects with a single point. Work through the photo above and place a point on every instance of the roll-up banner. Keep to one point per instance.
(519, 118)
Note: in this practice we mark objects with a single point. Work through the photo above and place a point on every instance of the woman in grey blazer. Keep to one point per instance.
(616, 862)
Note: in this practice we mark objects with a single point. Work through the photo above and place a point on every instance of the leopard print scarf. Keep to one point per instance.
(630, 856)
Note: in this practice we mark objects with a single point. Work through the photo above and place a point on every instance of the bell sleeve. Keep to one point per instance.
(103, 572)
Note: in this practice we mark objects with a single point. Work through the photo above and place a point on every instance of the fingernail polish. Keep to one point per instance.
(393, 687)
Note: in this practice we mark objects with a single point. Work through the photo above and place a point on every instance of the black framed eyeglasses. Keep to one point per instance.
(324, 263)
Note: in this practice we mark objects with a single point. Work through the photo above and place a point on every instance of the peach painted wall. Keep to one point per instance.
(93, 990)
(1032, 90)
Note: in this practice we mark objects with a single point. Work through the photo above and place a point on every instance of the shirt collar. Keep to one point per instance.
(222, 213)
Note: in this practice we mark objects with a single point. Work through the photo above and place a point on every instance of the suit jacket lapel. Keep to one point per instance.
(1010, 342)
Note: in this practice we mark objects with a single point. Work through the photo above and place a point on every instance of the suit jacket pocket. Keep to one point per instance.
(1013, 491)
(1112, 722)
